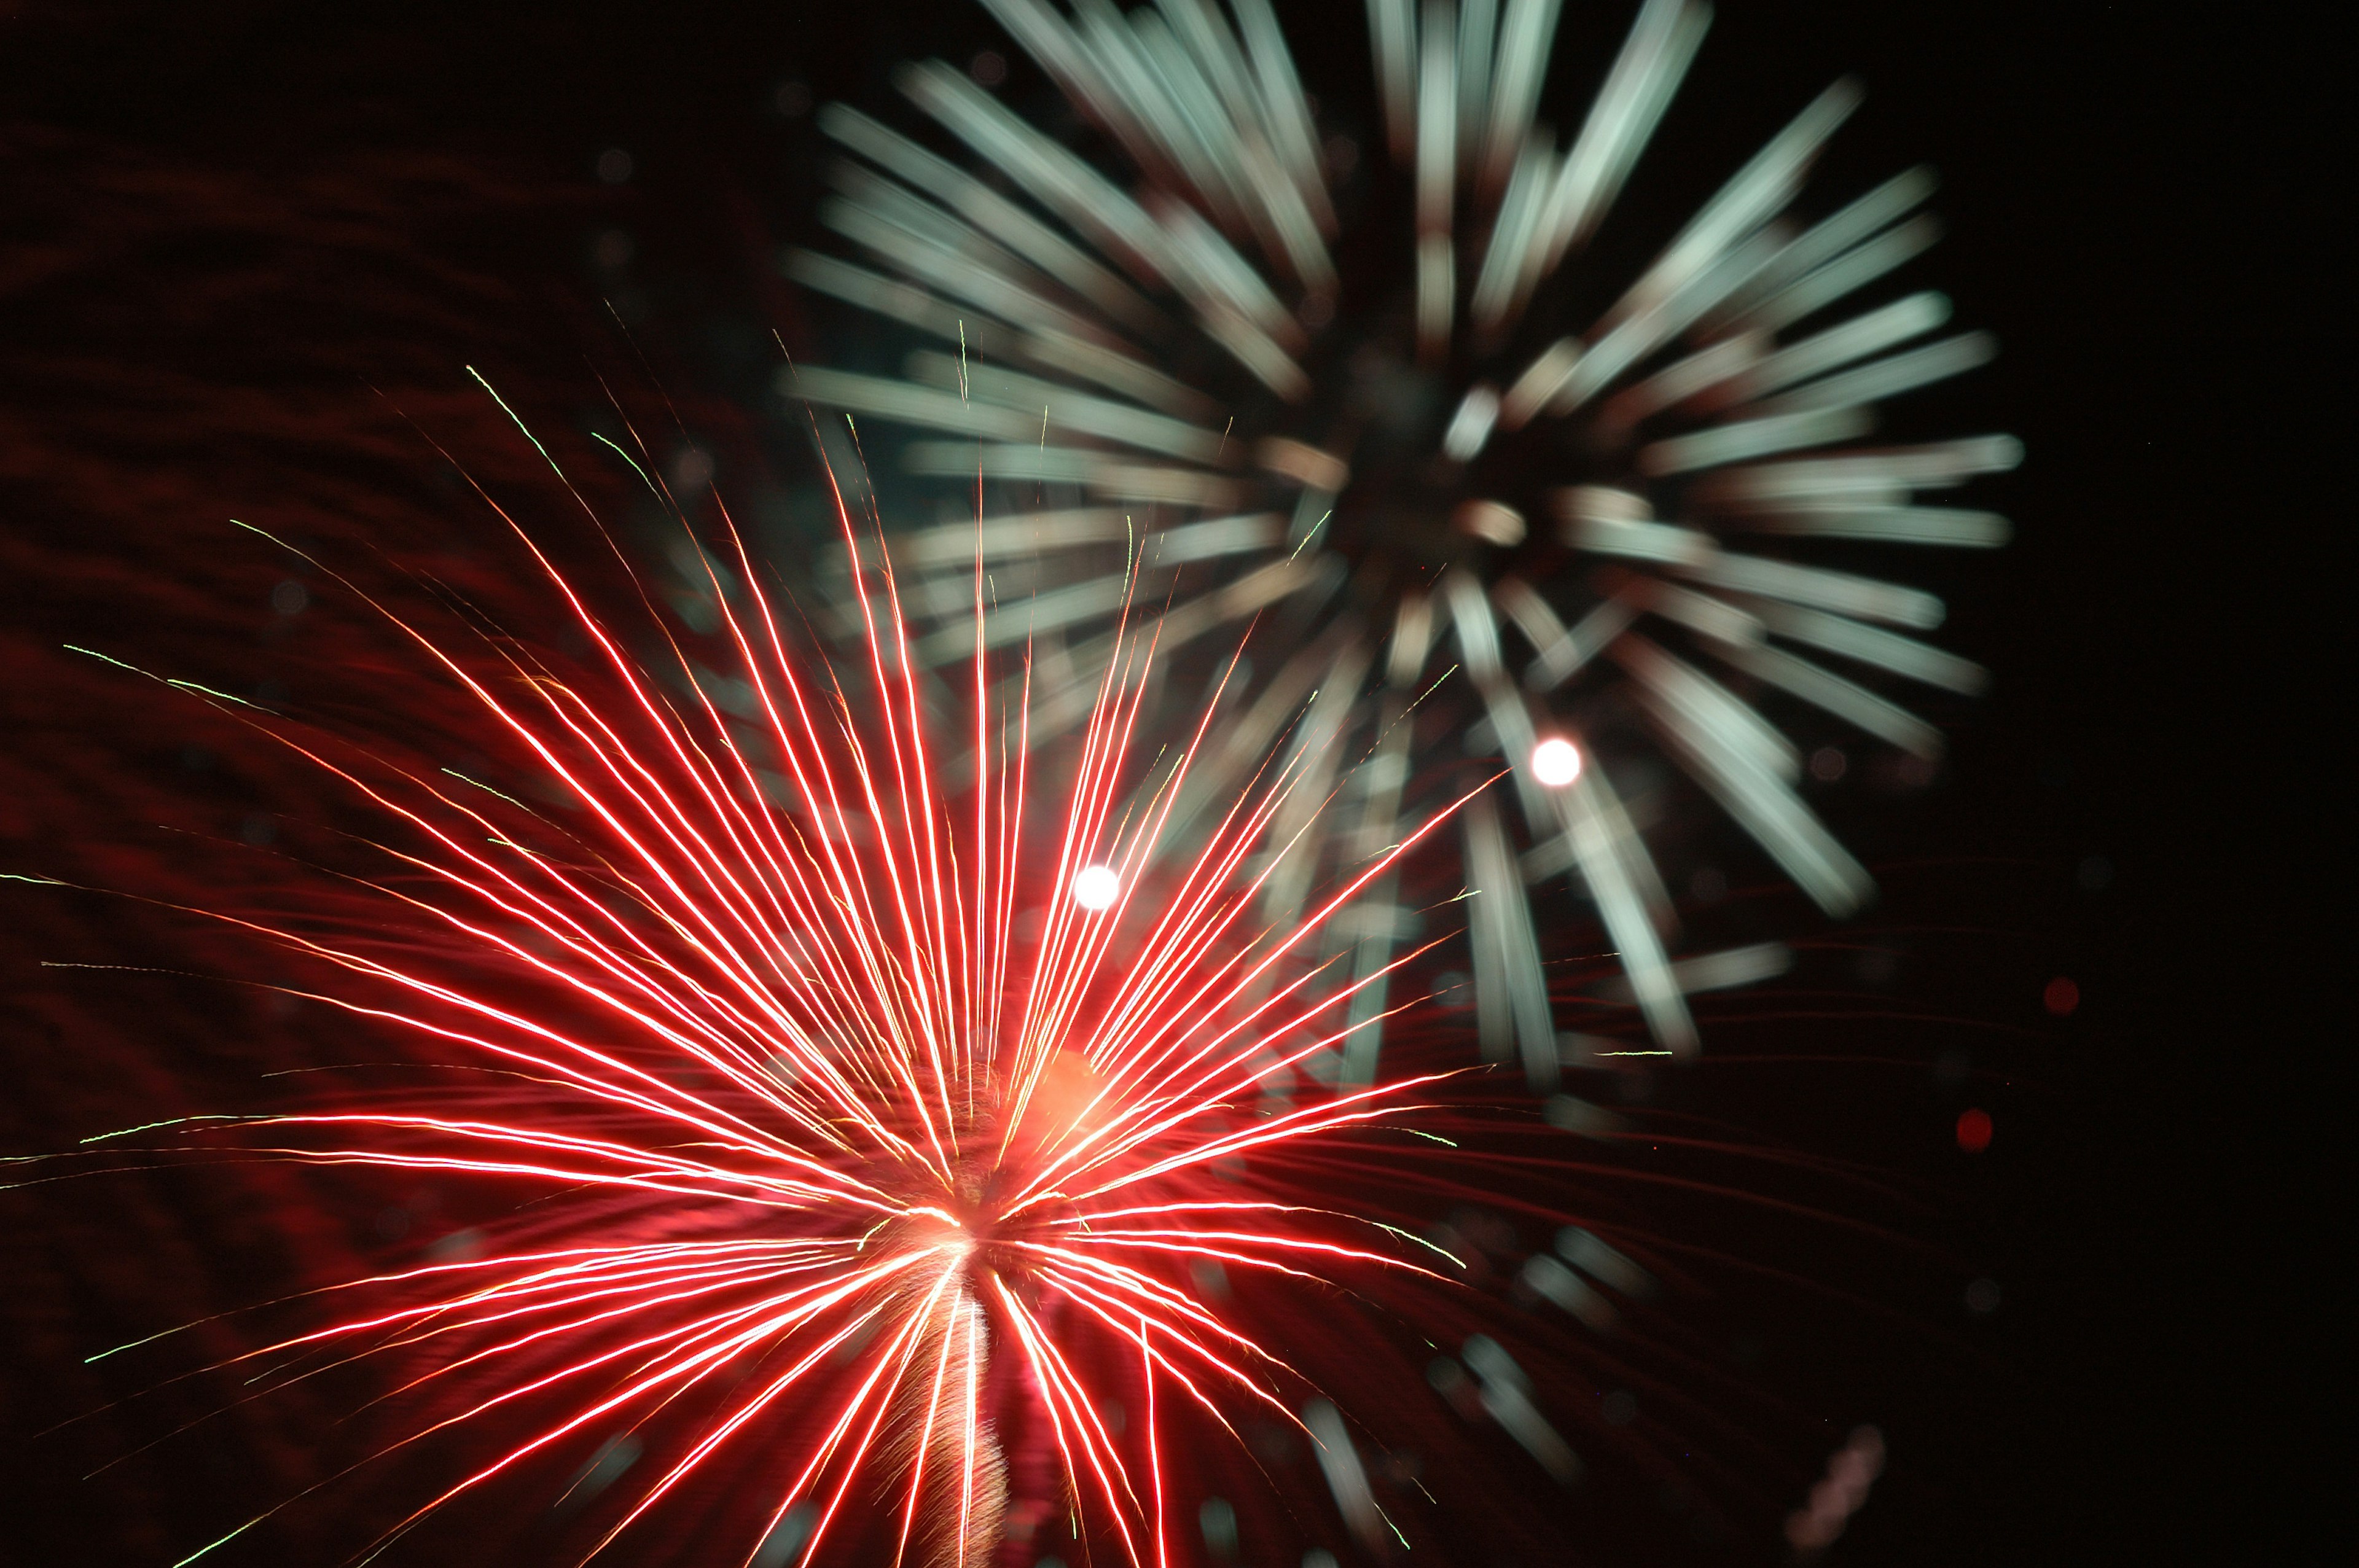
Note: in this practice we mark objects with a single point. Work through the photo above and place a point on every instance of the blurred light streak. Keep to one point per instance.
(1685, 393)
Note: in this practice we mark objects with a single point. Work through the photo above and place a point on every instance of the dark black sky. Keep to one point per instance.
(2139, 206)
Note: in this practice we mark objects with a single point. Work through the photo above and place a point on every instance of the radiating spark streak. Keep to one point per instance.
(1153, 1457)
(640, 1304)
(1068, 1394)
(927, 1429)
(812, 1125)
(1681, 396)
(1115, 1317)
(510, 1395)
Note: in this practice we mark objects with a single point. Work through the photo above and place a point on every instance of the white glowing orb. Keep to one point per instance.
(1556, 763)
(1096, 887)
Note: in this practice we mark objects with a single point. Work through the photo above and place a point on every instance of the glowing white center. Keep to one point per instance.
(1556, 763)
(1096, 887)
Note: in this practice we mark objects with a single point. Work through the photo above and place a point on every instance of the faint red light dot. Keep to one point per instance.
(2061, 997)
(1974, 1132)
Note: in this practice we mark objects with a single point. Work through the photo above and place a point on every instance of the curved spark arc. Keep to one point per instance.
(1603, 515)
(795, 1087)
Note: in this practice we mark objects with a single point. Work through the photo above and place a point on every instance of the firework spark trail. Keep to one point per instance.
(1403, 464)
(801, 1093)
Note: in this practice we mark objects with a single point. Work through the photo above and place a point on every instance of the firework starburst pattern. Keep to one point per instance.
(1346, 400)
(874, 1141)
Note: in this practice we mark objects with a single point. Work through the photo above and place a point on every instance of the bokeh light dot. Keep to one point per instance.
(1556, 762)
(1096, 887)
(2061, 997)
(1974, 1132)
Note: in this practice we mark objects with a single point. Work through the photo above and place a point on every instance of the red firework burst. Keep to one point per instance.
(865, 1126)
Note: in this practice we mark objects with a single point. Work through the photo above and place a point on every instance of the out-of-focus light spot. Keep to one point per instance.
(1300, 461)
(988, 69)
(1450, 1381)
(784, 1544)
(1096, 887)
(1975, 1130)
(1451, 988)
(1619, 1408)
(1914, 771)
(1319, 1557)
(1489, 522)
(1827, 764)
(1478, 411)
(459, 1246)
(692, 469)
(615, 166)
(614, 250)
(1218, 1519)
(607, 1466)
(1556, 762)
(290, 598)
(793, 99)
(2094, 874)
(2061, 997)
(1316, 310)
(1708, 886)
(1813, 1528)
(257, 829)
(1982, 1297)
(1579, 1116)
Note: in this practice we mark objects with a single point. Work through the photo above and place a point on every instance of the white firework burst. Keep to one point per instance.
(1283, 393)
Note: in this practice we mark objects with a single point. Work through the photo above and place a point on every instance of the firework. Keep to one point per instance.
(1333, 402)
(861, 1124)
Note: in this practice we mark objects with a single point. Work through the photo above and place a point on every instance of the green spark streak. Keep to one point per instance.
(487, 788)
(528, 436)
(617, 451)
(209, 691)
(150, 1127)
(225, 1540)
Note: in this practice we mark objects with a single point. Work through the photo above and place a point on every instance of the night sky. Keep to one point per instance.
(246, 251)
